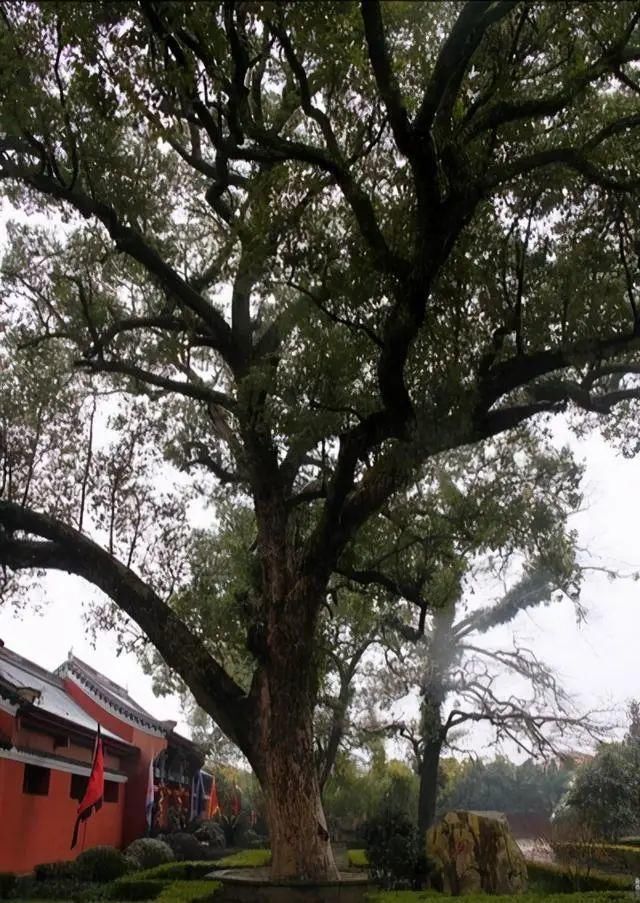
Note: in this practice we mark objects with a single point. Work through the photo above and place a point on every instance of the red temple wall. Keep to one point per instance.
(35, 829)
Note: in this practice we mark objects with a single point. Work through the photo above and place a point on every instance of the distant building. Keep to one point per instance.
(48, 724)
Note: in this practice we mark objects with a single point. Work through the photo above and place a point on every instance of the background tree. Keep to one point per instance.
(605, 792)
(301, 250)
(501, 785)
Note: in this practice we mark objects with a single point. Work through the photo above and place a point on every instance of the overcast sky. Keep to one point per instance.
(598, 660)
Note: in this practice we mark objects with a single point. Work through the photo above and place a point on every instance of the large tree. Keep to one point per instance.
(301, 249)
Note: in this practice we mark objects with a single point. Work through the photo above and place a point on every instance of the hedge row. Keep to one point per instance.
(614, 856)
(411, 896)
(178, 871)
(548, 878)
(134, 889)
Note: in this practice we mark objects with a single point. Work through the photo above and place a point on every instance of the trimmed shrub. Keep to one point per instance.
(54, 871)
(245, 859)
(394, 851)
(137, 888)
(190, 892)
(357, 859)
(147, 852)
(185, 846)
(618, 857)
(545, 877)
(408, 896)
(100, 864)
(178, 871)
(7, 884)
(71, 891)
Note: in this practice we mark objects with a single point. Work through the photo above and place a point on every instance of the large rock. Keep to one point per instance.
(472, 853)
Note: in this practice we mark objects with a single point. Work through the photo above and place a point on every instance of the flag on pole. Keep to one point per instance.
(214, 803)
(93, 795)
(150, 796)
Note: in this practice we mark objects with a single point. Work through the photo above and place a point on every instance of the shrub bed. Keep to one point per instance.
(177, 871)
(410, 896)
(137, 888)
(190, 892)
(132, 889)
(618, 857)
(547, 878)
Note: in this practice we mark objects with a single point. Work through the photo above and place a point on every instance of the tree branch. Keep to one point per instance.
(61, 547)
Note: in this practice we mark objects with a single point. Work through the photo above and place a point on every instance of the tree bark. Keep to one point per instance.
(285, 694)
(428, 795)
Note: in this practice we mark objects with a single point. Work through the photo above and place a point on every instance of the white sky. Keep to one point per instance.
(598, 661)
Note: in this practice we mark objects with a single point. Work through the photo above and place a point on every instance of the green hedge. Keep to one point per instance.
(189, 892)
(621, 857)
(178, 871)
(245, 859)
(136, 888)
(556, 879)
(409, 896)
(165, 891)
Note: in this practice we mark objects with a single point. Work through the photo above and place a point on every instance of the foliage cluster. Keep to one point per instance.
(503, 786)
(604, 797)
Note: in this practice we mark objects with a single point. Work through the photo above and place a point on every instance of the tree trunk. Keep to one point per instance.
(286, 693)
(428, 796)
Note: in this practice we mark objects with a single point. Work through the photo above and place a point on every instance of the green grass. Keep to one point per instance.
(357, 859)
(245, 859)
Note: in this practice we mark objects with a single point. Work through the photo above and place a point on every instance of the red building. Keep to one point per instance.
(48, 724)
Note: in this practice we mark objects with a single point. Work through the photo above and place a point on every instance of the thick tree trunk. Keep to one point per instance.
(428, 795)
(286, 694)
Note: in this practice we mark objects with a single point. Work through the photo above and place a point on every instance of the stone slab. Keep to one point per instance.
(256, 886)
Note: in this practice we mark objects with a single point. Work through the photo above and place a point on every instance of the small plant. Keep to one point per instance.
(147, 852)
(100, 864)
(393, 851)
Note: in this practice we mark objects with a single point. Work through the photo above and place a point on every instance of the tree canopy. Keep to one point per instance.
(295, 251)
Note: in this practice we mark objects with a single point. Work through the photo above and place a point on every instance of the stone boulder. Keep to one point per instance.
(473, 853)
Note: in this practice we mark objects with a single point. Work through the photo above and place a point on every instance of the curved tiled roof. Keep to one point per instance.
(22, 681)
(111, 696)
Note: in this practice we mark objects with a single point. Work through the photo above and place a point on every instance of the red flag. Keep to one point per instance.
(214, 804)
(93, 795)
